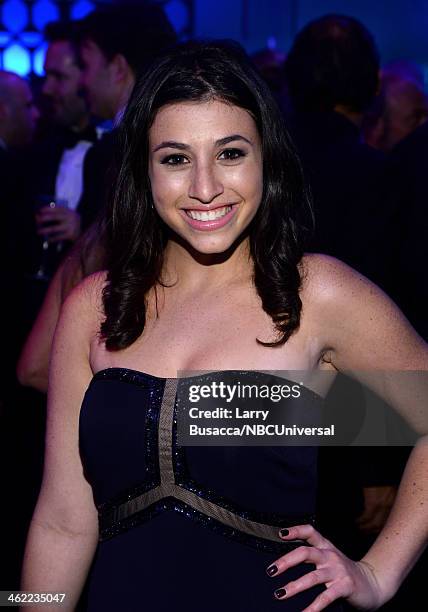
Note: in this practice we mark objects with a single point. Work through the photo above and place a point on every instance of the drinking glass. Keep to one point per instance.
(50, 251)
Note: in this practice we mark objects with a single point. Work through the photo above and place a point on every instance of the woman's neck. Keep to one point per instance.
(189, 270)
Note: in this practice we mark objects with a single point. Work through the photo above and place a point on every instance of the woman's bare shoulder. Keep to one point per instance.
(84, 304)
(325, 278)
(336, 288)
(90, 287)
(360, 323)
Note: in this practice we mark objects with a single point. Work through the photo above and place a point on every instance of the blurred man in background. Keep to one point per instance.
(62, 77)
(332, 73)
(117, 43)
(59, 175)
(114, 56)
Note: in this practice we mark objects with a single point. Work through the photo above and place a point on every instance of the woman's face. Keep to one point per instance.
(205, 168)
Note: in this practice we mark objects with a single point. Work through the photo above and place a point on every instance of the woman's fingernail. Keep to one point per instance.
(280, 593)
(272, 570)
(284, 532)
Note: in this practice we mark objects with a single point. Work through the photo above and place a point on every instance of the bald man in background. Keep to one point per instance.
(18, 117)
(400, 107)
(18, 114)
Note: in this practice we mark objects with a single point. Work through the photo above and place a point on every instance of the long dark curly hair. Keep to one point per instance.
(136, 236)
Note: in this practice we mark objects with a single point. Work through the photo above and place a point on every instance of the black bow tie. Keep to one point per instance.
(72, 138)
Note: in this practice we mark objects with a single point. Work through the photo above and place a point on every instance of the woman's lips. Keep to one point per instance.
(222, 215)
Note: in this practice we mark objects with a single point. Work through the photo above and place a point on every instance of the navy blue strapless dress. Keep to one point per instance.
(186, 528)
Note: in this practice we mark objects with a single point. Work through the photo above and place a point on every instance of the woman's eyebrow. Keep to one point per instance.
(232, 138)
(172, 144)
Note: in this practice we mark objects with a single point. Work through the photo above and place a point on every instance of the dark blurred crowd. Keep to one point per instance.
(362, 134)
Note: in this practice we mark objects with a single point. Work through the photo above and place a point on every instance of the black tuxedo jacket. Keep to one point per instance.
(355, 211)
(99, 171)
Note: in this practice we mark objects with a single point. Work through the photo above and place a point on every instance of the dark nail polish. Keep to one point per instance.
(271, 571)
(279, 593)
(284, 532)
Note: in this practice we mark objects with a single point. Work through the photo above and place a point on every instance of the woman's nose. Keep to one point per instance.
(205, 184)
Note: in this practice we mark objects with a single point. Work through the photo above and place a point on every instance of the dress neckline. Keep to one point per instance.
(104, 371)
(115, 372)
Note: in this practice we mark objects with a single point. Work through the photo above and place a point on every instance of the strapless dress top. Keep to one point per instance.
(189, 528)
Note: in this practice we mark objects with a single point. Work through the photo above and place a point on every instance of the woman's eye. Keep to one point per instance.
(174, 160)
(231, 154)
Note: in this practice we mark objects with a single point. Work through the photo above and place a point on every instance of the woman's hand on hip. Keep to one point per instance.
(343, 578)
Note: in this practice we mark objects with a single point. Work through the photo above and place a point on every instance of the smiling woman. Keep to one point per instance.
(206, 272)
(215, 146)
(212, 183)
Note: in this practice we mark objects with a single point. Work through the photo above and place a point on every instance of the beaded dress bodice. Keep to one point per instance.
(191, 503)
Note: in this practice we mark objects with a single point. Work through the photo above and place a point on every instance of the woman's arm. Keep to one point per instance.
(64, 528)
(33, 365)
(405, 535)
(366, 333)
(374, 341)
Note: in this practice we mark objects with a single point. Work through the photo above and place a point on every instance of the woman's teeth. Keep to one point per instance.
(210, 215)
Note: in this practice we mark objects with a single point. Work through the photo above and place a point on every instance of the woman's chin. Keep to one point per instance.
(206, 251)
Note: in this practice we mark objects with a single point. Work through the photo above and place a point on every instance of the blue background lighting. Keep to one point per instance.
(15, 15)
(17, 59)
(81, 9)
(399, 26)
